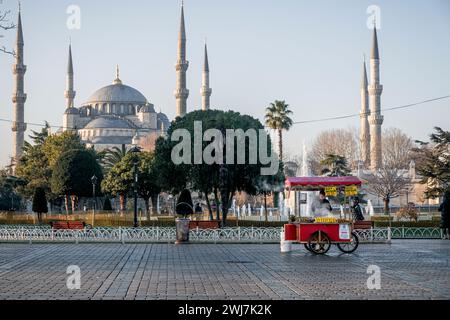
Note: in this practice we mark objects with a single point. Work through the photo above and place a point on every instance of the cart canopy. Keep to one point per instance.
(317, 183)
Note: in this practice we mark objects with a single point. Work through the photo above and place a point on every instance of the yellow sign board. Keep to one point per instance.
(351, 191)
(331, 191)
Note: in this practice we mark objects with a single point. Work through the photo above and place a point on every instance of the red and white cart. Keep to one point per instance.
(318, 237)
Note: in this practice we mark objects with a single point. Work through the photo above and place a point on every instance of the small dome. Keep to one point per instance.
(117, 93)
(163, 121)
(106, 122)
(72, 111)
(148, 108)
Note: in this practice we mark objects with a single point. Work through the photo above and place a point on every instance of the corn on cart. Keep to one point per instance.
(317, 235)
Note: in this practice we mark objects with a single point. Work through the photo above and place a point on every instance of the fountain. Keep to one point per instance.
(370, 209)
(249, 210)
(306, 209)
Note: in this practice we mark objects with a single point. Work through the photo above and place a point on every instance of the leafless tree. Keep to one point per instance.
(341, 142)
(397, 149)
(5, 25)
(387, 183)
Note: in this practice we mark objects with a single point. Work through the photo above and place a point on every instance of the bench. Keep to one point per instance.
(204, 224)
(363, 225)
(68, 225)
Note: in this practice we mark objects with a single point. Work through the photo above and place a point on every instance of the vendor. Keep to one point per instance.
(323, 207)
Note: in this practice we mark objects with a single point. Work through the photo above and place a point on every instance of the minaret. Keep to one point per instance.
(375, 119)
(19, 97)
(181, 92)
(70, 93)
(365, 112)
(206, 91)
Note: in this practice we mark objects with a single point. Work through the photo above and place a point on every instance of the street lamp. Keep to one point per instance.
(94, 181)
(135, 150)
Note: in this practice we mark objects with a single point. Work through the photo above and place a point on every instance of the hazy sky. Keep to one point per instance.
(308, 53)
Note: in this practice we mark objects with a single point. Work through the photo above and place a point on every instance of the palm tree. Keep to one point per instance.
(277, 118)
(113, 156)
(335, 166)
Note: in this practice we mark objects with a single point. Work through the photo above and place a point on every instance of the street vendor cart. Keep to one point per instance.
(318, 234)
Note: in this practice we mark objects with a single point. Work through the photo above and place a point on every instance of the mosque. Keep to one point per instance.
(115, 115)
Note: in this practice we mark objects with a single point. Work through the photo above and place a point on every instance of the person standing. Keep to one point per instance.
(357, 211)
(444, 208)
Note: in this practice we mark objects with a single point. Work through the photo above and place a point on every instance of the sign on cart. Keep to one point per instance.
(344, 232)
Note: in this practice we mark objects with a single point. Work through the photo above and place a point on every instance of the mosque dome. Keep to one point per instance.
(117, 93)
(109, 122)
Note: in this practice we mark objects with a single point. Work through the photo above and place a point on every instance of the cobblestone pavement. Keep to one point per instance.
(409, 270)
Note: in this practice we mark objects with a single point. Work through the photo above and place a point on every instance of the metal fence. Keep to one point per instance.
(168, 235)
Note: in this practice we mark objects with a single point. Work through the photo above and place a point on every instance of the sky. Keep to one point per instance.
(308, 53)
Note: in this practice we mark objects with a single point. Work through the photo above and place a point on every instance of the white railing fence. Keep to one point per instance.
(167, 235)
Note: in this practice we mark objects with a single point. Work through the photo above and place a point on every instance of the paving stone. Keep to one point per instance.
(410, 269)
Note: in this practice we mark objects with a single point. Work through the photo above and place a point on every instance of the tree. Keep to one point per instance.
(433, 163)
(6, 25)
(335, 166)
(107, 205)
(39, 203)
(221, 179)
(119, 179)
(398, 149)
(33, 166)
(40, 156)
(277, 118)
(113, 156)
(184, 206)
(387, 183)
(9, 199)
(148, 186)
(267, 185)
(72, 175)
(340, 142)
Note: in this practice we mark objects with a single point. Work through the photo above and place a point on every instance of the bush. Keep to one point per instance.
(408, 224)
(408, 212)
(185, 207)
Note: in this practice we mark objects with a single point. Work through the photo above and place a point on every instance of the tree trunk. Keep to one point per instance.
(265, 206)
(211, 217)
(224, 198)
(73, 200)
(122, 202)
(280, 143)
(386, 206)
(66, 203)
(154, 199)
(216, 199)
(147, 209)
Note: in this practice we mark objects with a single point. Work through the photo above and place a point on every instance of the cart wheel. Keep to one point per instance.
(351, 246)
(319, 243)
(307, 247)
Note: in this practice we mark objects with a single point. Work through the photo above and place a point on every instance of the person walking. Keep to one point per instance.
(444, 208)
(357, 211)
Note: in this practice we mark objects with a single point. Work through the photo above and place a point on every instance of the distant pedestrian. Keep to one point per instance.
(444, 208)
(357, 211)
(198, 208)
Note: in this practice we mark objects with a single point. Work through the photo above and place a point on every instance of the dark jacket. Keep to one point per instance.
(444, 208)
(357, 213)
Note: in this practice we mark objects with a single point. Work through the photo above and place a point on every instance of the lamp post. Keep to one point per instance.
(135, 150)
(94, 181)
